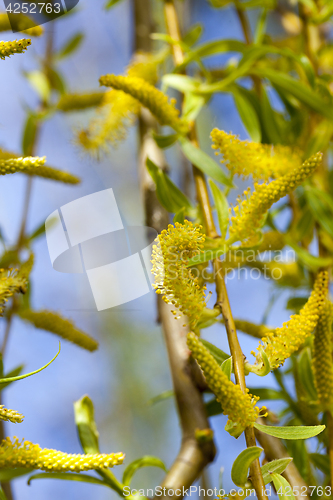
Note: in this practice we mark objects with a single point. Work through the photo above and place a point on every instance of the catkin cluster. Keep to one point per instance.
(10, 282)
(150, 97)
(251, 211)
(239, 407)
(15, 453)
(322, 357)
(15, 47)
(261, 161)
(283, 342)
(64, 328)
(173, 279)
(10, 415)
(118, 110)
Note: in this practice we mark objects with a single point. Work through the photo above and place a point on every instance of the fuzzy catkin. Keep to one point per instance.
(15, 453)
(322, 361)
(239, 407)
(150, 97)
(261, 161)
(64, 328)
(283, 342)
(251, 211)
(15, 47)
(173, 279)
(78, 102)
(10, 415)
(10, 282)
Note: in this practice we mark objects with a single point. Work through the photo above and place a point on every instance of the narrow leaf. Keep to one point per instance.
(86, 426)
(218, 354)
(68, 476)
(248, 115)
(291, 432)
(227, 367)
(221, 206)
(204, 162)
(283, 488)
(277, 466)
(21, 377)
(240, 467)
(146, 461)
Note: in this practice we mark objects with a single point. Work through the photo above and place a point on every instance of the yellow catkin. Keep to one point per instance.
(239, 407)
(262, 161)
(10, 415)
(150, 97)
(15, 453)
(322, 357)
(283, 342)
(11, 163)
(78, 102)
(20, 22)
(64, 328)
(173, 279)
(251, 211)
(10, 282)
(15, 47)
(118, 110)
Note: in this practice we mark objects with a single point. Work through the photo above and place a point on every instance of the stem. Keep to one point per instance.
(193, 456)
(221, 291)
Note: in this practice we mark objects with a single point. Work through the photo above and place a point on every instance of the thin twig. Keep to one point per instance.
(222, 296)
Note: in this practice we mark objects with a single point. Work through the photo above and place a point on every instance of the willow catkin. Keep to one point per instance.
(322, 362)
(15, 453)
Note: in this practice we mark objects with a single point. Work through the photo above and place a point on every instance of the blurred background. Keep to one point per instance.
(131, 365)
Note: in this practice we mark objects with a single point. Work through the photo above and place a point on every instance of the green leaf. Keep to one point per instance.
(11, 374)
(269, 118)
(206, 255)
(204, 162)
(6, 380)
(11, 474)
(29, 134)
(112, 3)
(240, 467)
(297, 89)
(211, 48)
(192, 105)
(193, 35)
(161, 397)
(68, 476)
(179, 216)
(169, 195)
(296, 303)
(322, 462)
(304, 368)
(221, 206)
(308, 260)
(182, 83)
(321, 206)
(86, 426)
(290, 432)
(40, 83)
(227, 367)
(2, 494)
(213, 408)
(282, 487)
(70, 46)
(218, 354)
(146, 461)
(165, 141)
(278, 466)
(247, 114)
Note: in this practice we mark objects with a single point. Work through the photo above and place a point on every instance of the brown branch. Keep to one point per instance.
(193, 456)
